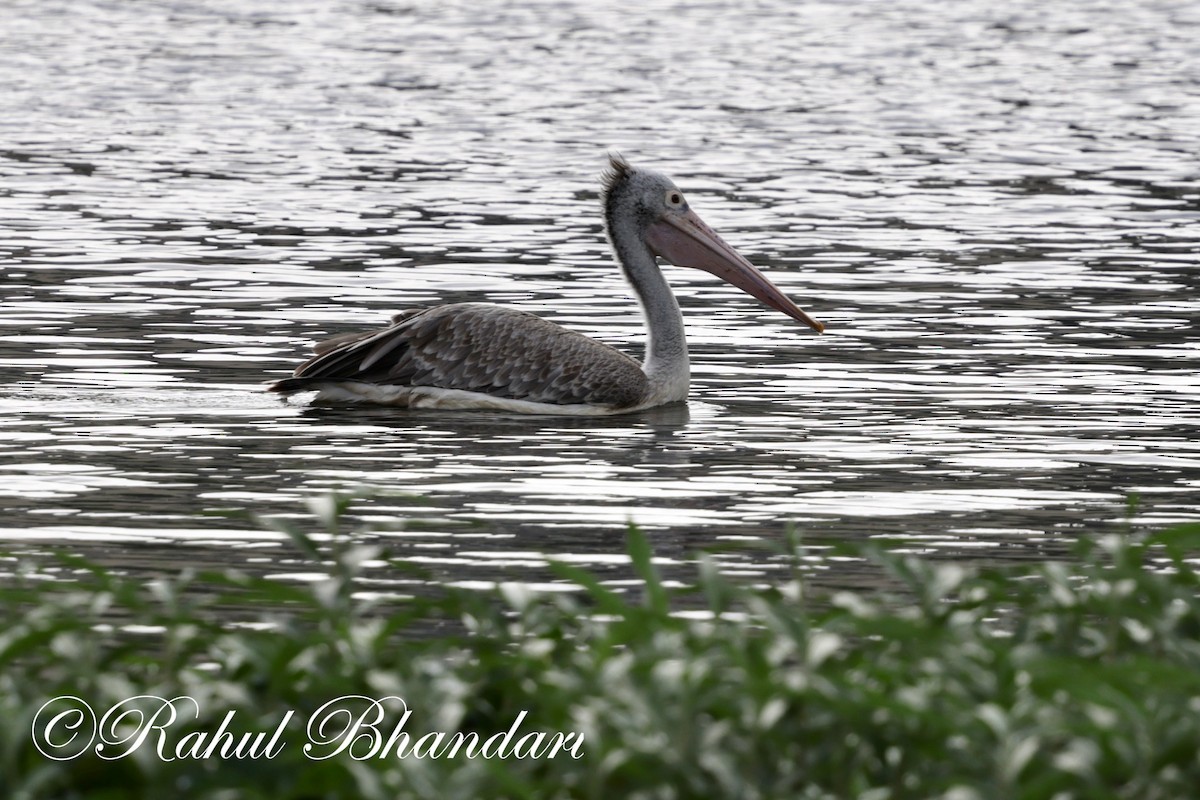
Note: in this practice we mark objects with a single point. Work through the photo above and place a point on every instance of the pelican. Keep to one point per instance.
(484, 356)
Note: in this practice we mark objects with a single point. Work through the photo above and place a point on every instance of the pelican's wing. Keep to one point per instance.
(483, 348)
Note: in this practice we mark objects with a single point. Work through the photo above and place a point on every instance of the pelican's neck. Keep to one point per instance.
(666, 363)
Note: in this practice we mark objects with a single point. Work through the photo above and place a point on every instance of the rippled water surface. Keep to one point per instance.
(994, 209)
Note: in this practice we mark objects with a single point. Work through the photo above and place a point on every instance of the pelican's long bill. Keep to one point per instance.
(685, 241)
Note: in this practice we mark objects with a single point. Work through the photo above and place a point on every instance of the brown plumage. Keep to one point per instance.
(478, 347)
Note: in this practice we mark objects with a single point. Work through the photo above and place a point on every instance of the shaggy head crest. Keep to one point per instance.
(617, 171)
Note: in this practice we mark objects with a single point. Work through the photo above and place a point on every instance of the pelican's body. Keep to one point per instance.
(483, 356)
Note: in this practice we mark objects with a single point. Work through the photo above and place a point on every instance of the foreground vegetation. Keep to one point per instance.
(1076, 679)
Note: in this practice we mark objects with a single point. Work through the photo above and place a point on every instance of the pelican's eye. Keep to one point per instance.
(674, 198)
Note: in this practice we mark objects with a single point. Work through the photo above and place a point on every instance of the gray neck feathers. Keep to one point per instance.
(666, 351)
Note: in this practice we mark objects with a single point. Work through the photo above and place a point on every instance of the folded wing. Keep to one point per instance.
(478, 347)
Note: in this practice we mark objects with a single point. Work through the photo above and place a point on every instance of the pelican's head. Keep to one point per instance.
(651, 207)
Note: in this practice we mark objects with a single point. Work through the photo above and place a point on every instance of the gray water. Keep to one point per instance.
(994, 209)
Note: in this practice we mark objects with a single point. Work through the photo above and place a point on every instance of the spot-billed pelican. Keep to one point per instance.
(483, 356)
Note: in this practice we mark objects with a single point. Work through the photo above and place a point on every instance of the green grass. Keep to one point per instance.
(1067, 679)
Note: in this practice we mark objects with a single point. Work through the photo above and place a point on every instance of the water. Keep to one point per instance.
(993, 209)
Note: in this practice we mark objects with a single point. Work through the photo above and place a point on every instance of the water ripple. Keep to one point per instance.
(993, 209)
